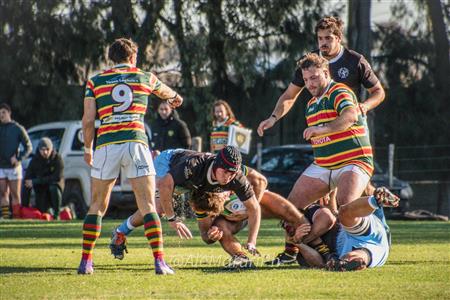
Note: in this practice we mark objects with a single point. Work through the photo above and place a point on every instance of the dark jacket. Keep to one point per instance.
(46, 171)
(11, 136)
(171, 133)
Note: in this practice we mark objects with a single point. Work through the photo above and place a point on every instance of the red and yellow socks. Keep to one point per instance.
(153, 232)
(91, 231)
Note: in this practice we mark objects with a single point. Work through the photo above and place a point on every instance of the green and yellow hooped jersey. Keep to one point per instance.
(121, 96)
(338, 149)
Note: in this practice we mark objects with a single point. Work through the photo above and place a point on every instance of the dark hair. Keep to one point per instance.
(5, 106)
(313, 60)
(229, 158)
(121, 50)
(206, 201)
(335, 24)
(227, 108)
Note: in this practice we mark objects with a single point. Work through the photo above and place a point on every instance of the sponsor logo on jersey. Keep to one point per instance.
(343, 72)
(321, 140)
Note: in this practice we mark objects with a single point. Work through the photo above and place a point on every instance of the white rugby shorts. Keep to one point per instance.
(11, 173)
(331, 177)
(134, 159)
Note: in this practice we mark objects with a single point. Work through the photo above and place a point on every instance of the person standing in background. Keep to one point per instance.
(12, 135)
(168, 130)
(223, 118)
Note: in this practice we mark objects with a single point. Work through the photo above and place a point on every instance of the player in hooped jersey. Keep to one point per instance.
(118, 97)
(337, 132)
(346, 66)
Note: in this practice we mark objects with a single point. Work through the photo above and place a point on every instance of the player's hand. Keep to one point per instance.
(214, 233)
(266, 124)
(364, 108)
(181, 229)
(312, 131)
(175, 102)
(14, 161)
(251, 248)
(325, 200)
(301, 231)
(88, 158)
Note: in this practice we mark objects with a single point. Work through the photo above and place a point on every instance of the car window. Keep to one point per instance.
(296, 161)
(55, 134)
(78, 142)
(270, 161)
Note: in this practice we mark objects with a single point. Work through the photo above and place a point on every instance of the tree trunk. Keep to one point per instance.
(359, 39)
(441, 43)
(123, 19)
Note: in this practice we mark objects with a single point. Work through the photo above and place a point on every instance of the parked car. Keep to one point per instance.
(67, 138)
(282, 165)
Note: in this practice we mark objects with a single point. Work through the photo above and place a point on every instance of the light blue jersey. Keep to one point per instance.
(376, 240)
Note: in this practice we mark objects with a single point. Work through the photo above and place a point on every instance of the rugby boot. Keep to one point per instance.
(240, 262)
(283, 258)
(162, 268)
(118, 244)
(385, 197)
(339, 265)
(86, 267)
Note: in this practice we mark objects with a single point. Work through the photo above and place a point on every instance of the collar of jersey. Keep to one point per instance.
(326, 90)
(122, 66)
(222, 123)
(209, 173)
(335, 59)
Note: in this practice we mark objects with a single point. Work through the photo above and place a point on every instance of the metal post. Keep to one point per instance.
(258, 156)
(391, 165)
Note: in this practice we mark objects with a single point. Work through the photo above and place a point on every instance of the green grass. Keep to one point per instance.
(39, 260)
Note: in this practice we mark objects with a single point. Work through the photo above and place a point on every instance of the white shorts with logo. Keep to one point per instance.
(331, 177)
(11, 173)
(134, 159)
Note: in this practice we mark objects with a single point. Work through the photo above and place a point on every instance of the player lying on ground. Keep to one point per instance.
(363, 240)
(233, 218)
(204, 172)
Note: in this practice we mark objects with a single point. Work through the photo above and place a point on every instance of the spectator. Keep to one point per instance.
(45, 176)
(169, 131)
(12, 135)
(223, 117)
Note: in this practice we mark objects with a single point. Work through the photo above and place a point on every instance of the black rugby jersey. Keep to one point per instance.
(190, 170)
(349, 67)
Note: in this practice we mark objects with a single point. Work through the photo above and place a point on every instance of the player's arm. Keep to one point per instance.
(284, 104)
(376, 96)
(88, 124)
(254, 221)
(258, 182)
(371, 82)
(166, 185)
(164, 92)
(347, 118)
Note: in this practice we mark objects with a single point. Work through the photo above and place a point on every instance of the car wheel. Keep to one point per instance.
(73, 198)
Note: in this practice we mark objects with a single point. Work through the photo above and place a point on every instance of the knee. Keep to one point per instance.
(344, 213)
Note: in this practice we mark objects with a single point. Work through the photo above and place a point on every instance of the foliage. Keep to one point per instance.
(43, 258)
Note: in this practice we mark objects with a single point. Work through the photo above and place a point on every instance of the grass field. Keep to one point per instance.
(39, 260)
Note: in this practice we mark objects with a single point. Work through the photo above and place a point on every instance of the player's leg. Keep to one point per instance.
(310, 186)
(351, 183)
(231, 245)
(105, 170)
(367, 242)
(101, 191)
(4, 197)
(276, 206)
(141, 164)
(118, 243)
